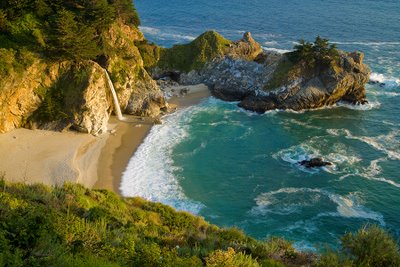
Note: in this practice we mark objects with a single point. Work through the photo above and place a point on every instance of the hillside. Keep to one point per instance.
(75, 226)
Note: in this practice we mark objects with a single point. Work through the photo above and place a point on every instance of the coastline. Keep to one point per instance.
(122, 145)
(52, 158)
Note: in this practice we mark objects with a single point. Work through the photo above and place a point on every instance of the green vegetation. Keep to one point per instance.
(195, 54)
(75, 226)
(285, 69)
(62, 95)
(150, 53)
(306, 60)
(58, 29)
(315, 54)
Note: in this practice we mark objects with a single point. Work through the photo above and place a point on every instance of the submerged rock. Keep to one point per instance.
(314, 163)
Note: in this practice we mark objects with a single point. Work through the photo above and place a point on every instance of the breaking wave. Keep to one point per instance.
(150, 172)
(289, 200)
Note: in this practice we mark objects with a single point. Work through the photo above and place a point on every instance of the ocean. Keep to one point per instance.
(238, 168)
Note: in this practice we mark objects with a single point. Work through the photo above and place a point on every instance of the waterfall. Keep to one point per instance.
(114, 94)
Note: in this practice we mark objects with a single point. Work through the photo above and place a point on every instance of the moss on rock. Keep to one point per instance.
(195, 54)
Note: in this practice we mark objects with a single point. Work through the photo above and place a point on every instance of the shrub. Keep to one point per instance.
(312, 54)
(371, 246)
(230, 258)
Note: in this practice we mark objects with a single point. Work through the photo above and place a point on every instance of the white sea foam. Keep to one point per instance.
(387, 144)
(383, 143)
(384, 80)
(350, 207)
(303, 124)
(150, 172)
(296, 154)
(372, 172)
(166, 35)
(339, 155)
(368, 106)
(270, 43)
(384, 93)
(367, 43)
(277, 50)
(289, 198)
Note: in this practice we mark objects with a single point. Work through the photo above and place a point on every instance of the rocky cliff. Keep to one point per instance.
(74, 94)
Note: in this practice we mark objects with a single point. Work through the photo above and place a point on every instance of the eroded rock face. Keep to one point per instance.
(84, 104)
(246, 48)
(231, 79)
(91, 110)
(20, 93)
(138, 93)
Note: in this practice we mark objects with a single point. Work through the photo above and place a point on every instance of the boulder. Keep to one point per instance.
(314, 163)
(246, 48)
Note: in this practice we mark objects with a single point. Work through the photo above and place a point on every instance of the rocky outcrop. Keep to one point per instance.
(230, 79)
(195, 55)
(90, 111)
(246, 48)
(20, 93)
(65, 95)
(344, 81)
(273, 81)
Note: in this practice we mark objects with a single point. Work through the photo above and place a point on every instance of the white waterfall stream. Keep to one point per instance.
(114, 94)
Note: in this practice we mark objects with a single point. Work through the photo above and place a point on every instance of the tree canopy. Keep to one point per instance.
(62, 29)
(320, 52)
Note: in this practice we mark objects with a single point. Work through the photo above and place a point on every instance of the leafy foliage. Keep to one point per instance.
(318, 53)
(61, 29)
(75, 226)
(306, 60)
(371, 246)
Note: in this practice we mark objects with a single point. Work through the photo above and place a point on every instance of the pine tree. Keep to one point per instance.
(73, 40)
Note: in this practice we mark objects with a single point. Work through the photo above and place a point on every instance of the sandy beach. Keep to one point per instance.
(36, 156)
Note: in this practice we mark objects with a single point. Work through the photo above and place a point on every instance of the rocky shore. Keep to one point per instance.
(272, 81)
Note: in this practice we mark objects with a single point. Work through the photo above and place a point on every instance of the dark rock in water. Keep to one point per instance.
(314, 163)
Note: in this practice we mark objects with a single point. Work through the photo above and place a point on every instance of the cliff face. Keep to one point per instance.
(137, 92)
(76, 95)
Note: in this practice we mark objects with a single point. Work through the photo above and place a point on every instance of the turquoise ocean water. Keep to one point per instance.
(237, 168)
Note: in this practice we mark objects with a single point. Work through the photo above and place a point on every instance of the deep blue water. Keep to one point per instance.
(237, 168)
